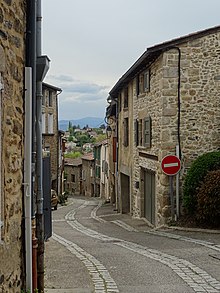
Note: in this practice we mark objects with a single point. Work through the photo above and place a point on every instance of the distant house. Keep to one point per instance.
(61, 148)
(73, 176)
(101, 169)
(167, 103)
(88, 184)
(50, 130)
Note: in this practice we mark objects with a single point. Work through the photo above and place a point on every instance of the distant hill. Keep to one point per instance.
(93, 122)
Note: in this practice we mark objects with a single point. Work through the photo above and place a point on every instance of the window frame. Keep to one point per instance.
(126, 97)
(50, 124)
(143, 132)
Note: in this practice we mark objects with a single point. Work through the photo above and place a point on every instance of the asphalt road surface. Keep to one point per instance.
(95, 249)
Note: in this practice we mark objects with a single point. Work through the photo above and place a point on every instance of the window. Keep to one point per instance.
(146, 81)
(73, 178)
(97, 171)
(143, 82)
(143, 132)
(50, 123)
(147, 132)
(50, 99)
(140, 127)
(126, 132)
(119, 103)
(126, 97)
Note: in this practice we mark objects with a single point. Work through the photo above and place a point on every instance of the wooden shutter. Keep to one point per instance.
(140, 133)
(136, 134)
(137, 85)
(147, 81)
(147, 132)
(126, 132)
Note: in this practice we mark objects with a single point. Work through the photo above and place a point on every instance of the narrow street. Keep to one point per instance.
(94, 249)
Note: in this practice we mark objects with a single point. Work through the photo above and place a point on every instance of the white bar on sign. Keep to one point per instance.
(171, 165)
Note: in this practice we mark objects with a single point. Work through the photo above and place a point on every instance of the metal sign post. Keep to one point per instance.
(171, 166)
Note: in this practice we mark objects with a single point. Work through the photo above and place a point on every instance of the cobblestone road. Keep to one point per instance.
(160, 254)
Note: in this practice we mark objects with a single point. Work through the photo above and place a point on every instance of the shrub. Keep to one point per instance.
(208, 199)
(195, 175)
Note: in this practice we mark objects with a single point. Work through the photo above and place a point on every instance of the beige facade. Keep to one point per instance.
(73, 176)
(50, 130)
(174, 100)
(12, 63)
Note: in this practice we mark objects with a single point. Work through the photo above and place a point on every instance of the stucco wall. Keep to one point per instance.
(51, 141)
(12, 28)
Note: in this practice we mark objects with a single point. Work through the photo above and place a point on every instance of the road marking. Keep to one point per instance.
(124, 226)
(196, 278)
(101, 278)
(94, 211)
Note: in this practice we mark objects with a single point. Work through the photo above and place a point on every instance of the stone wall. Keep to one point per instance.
(12, 55)
(73, 187)
(200, 119)
(125, 156)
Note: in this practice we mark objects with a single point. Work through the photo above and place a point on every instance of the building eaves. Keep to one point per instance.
(88, 157)
(100, 143)
(73, 162)
(151, 54)
(52, 87)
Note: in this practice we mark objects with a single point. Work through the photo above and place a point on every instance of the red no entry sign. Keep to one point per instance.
(171, 165)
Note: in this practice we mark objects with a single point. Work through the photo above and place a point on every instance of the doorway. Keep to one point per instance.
(148, 178)
(125, 194)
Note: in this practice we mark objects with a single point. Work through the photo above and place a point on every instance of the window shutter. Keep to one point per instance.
(147, 81)
(140, 134)
(136, 139)
(137, 85)
(126, 132)
(147, 132)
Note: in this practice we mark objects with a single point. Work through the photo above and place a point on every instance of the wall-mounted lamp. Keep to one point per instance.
(109, 99)
(108, 131)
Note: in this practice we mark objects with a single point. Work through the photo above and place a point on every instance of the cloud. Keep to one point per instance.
(79, 98)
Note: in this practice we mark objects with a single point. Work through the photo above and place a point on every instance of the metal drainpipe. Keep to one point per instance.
(58, 147)
(27, 176)
(31, 62)
(39, 170)
(116, 169)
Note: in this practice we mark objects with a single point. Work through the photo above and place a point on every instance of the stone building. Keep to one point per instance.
(12, 64)
(88, 171)
(101, 169)
(167, 103)
(51, 139)
(73, 176)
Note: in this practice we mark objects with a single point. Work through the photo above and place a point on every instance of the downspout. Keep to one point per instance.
(178, 98)
(42, 68)
(116, 165)
(31, 63)
(27, 176)
(58, 148)
(178, 147)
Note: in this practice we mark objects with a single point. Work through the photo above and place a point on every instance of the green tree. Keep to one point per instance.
(73, 155)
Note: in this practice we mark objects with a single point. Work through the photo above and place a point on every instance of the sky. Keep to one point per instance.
(92, 43)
